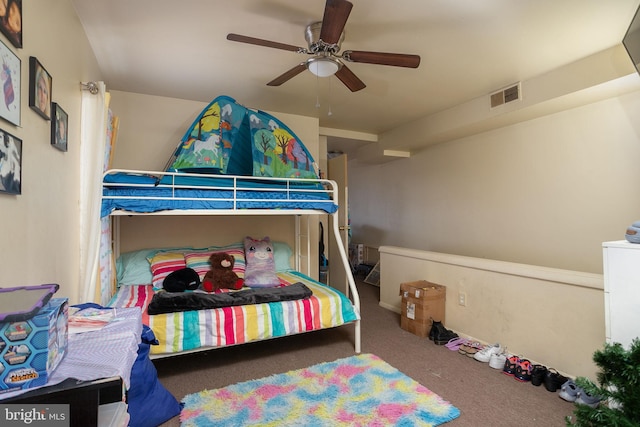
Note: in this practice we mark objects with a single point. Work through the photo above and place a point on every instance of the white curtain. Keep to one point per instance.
(93, 129)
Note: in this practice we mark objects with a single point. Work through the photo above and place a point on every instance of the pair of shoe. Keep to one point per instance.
(470, 348)
(439, 334)
(518, 368)
(570, 392)
(553, 380)
(485, 354)
(538, 373)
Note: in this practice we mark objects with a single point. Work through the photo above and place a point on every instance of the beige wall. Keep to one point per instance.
(150, 130)
(542, 193)
(40, 234)
(550, 316)
(546, 192)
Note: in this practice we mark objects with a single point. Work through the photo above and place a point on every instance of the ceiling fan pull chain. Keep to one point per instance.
(317, 92)
(329, 113)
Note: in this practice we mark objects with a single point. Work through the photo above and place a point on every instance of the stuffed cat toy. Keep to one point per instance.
(221, 274)
(260, 271)
(185, 279)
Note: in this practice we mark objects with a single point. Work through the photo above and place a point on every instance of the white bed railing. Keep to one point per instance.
(320, 191)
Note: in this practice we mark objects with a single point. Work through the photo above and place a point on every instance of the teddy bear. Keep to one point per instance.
(221, 274)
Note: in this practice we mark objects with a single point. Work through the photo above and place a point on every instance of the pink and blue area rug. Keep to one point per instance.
(360, 390)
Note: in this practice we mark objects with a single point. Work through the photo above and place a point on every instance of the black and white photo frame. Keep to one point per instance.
(10, 163)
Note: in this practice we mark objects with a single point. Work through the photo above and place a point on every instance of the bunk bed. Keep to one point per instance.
(151, 193)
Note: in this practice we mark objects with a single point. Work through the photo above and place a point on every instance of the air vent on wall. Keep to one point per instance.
(504, 96)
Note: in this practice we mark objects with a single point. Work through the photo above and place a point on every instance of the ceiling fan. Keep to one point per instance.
(324, 40)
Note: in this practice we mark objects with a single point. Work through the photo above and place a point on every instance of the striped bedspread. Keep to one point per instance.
(227, 326)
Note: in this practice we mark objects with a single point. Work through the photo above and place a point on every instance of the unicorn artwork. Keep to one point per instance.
(210, 144)
(260, 270)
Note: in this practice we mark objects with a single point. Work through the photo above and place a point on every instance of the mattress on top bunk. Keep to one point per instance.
(143, 193)
(220, 327)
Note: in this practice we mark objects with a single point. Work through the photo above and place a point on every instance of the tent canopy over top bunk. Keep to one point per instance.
(230, 158)
(231, 139)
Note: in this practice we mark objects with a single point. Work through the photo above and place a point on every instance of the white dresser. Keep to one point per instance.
(621, 291)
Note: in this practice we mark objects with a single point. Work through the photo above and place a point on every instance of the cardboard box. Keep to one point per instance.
(422, 301)
(31, 349)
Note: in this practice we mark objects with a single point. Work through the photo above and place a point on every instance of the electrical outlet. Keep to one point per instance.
(462, 299)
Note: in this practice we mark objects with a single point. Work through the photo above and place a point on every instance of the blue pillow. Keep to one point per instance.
(132, 268)
(282, 256)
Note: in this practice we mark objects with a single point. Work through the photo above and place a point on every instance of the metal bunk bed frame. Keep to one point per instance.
(330, 188)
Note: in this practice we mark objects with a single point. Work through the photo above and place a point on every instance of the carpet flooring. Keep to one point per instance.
(484, 395)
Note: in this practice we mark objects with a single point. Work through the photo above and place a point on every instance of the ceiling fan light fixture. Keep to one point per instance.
(323, 66)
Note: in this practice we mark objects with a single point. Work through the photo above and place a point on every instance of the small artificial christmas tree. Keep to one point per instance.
(619, 388)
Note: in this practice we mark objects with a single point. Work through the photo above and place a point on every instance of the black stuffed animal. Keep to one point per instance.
(181, 280)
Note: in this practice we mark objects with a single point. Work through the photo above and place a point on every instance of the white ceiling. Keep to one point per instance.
(469, 48)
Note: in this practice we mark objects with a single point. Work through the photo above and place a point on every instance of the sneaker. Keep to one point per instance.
(523, 371)
(484, 355)
(569, 391)
(510, 365)
(585, 398)
(537, 374)
(497, 360)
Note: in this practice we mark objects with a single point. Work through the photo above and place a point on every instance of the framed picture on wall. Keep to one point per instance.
(40, 85)
(59, 127)
(10, 163)
(10, 83)
(11, 21)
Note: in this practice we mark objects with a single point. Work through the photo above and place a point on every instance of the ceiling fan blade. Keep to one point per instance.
(381, 58)
(349, 79)
(287, 75)
(336, 13)
(266, 43)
